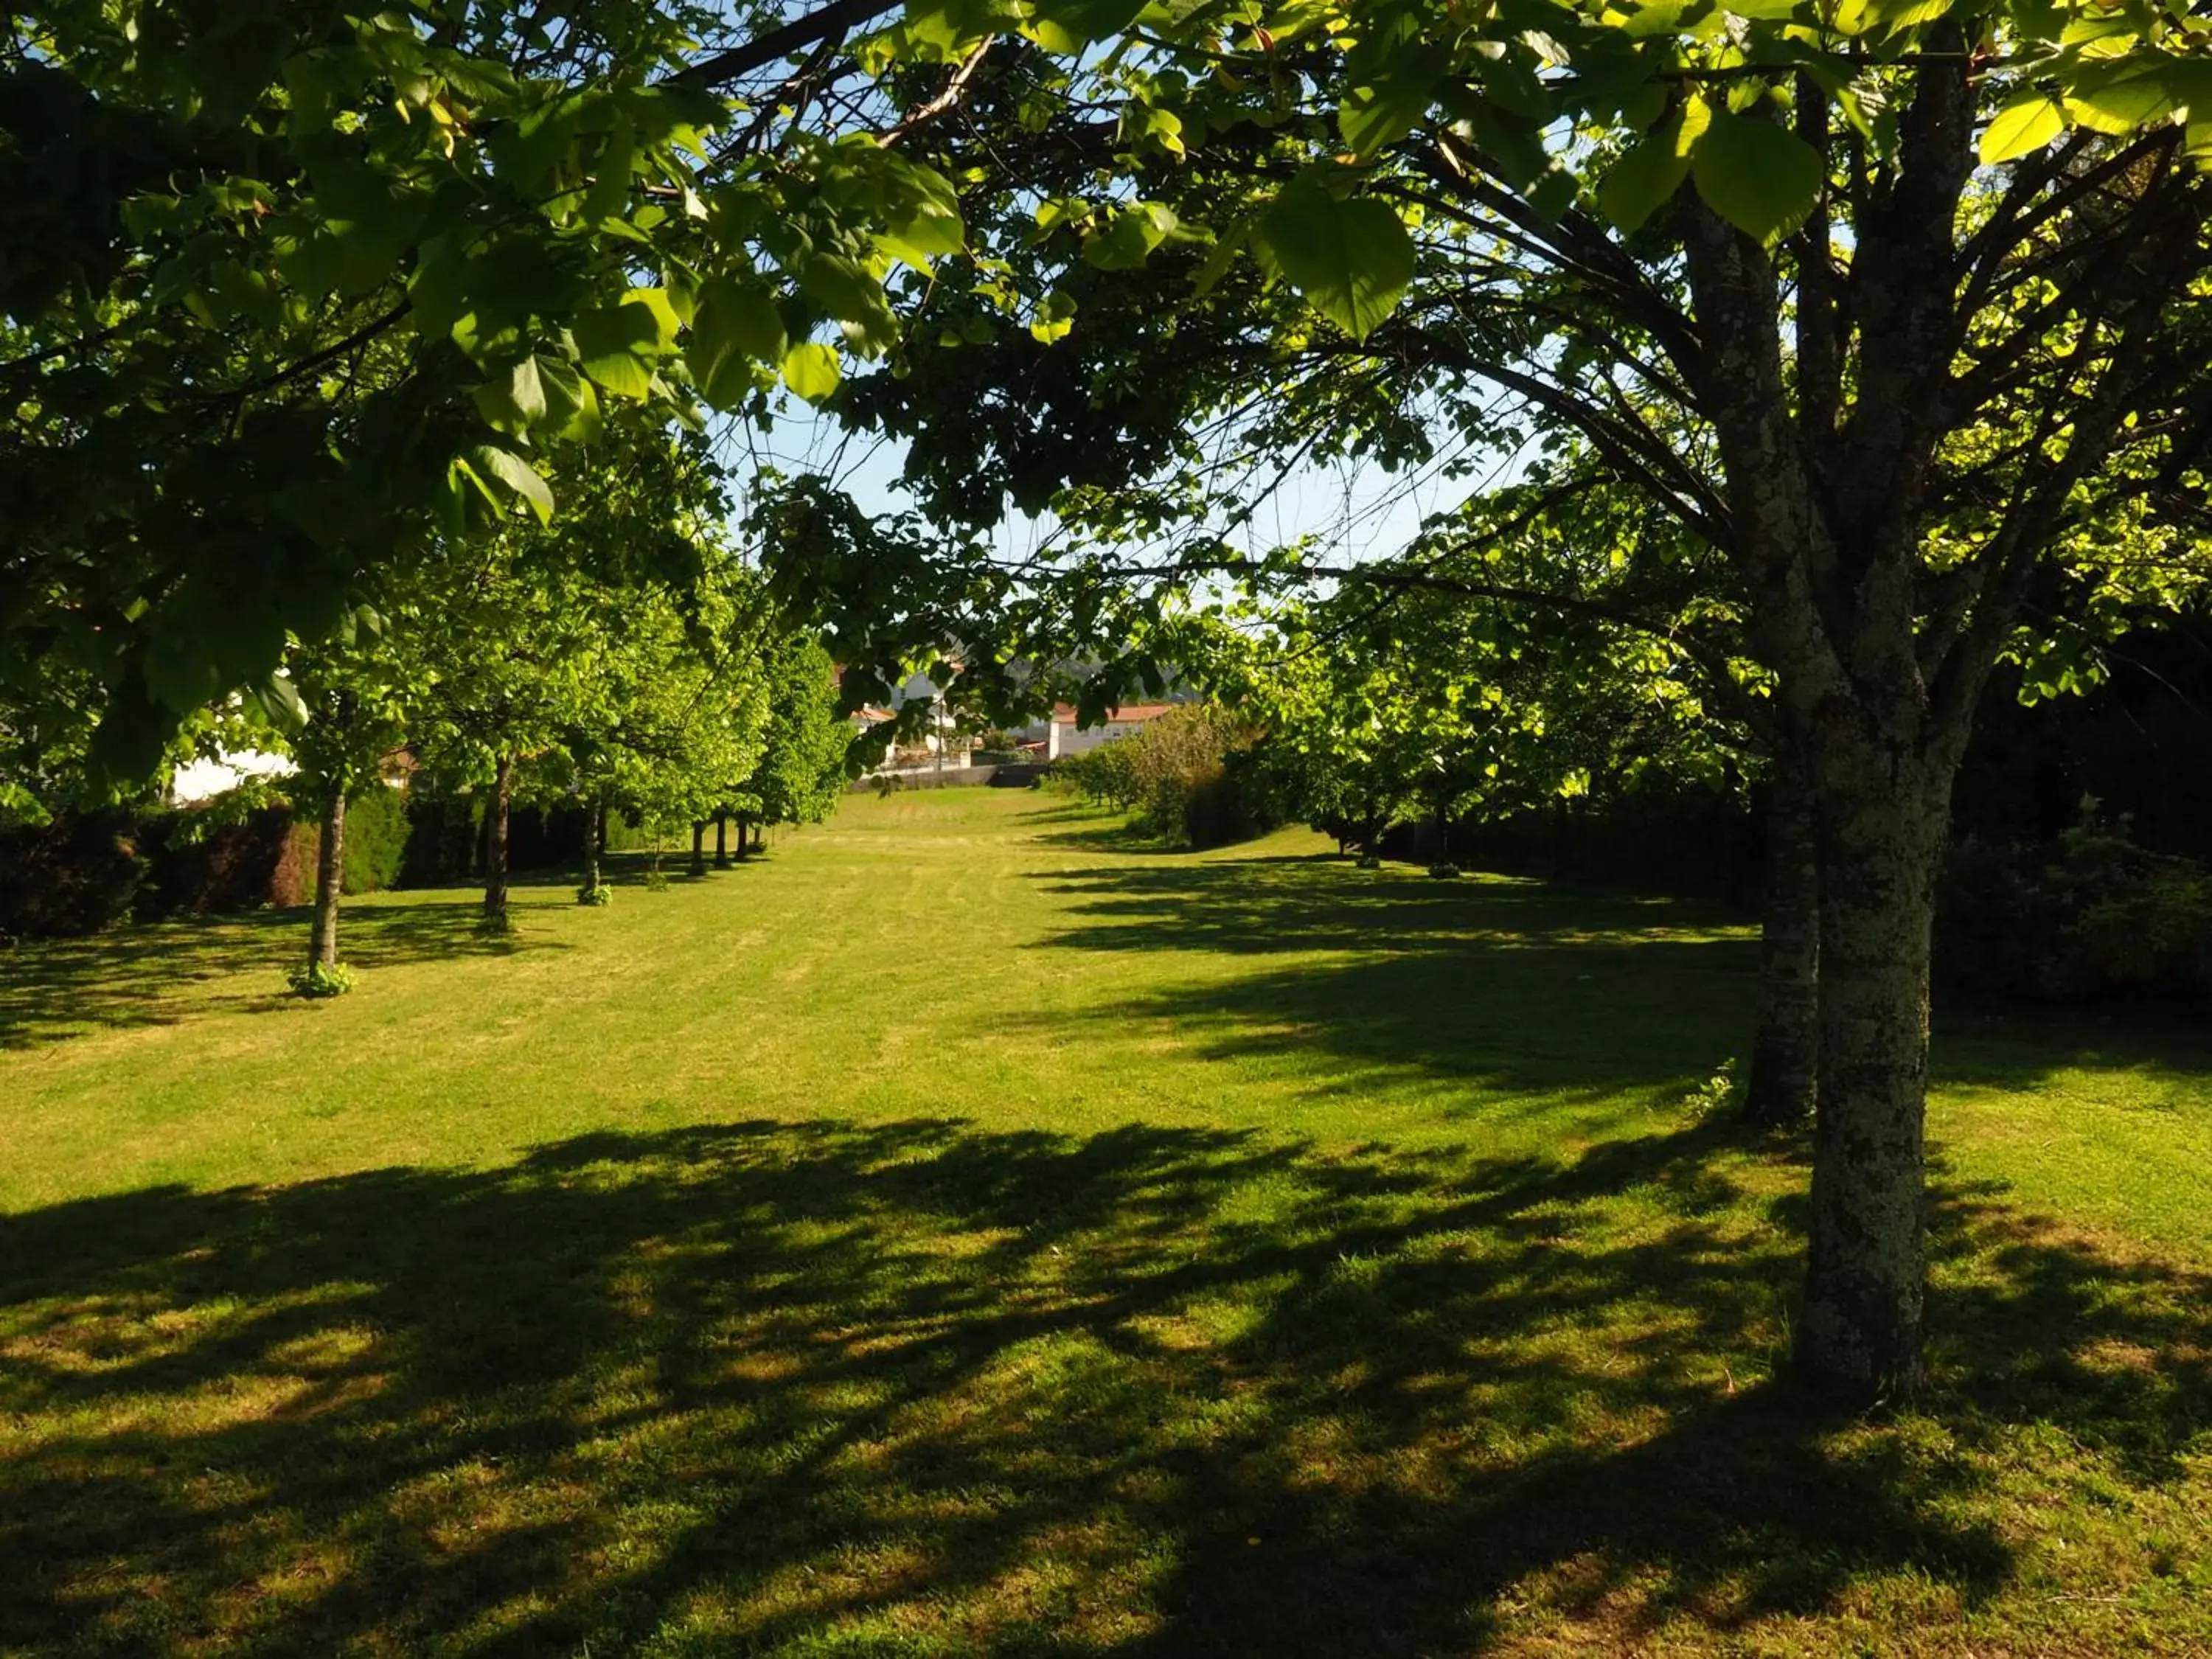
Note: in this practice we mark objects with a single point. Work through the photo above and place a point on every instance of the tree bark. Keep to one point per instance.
(1880, 820)
(595, 838)
(1785, 1051)
(495, 902)
(745, 836)
(722, 841)
(330, 881)
(698, 847)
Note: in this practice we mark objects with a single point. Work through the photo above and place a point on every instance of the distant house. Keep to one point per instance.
(1064, 735)
(938, 742)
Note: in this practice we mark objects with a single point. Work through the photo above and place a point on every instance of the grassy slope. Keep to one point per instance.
(965, 1232)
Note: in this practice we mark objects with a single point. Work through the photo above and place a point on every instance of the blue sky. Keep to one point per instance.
(1356, 511)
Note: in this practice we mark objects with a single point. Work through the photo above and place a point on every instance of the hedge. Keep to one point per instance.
(86, 871)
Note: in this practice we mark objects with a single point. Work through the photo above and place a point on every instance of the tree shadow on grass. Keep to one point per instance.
(1364, 975)
(165, 973)
(1537, 987)
(919, 1387)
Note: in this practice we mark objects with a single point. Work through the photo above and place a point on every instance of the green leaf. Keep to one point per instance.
(1070, 25)
(517, 474)
(1129, 237)
(1641, 181)
(279, 699)
(1758, 177)
(515, 401)
(609, 190)
(924, 219)
(1392, 73)
(843, 287)
(1054, 317)
(2025, 122)
(811, 370)
(572, 407)
(2122, 101)
(526, 151)
(737, 325)
(1351, 260)
(620, 343)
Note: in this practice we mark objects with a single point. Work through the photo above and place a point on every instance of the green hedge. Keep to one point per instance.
(84, 873)
(376, 831)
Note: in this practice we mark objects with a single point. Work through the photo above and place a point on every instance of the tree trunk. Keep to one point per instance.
(745, 836)
(330, 882)
(698, 847)
(721, 840)
(495, 902)
(1786, 1050)
(760, 835)
(595, 836)
(1879, 823)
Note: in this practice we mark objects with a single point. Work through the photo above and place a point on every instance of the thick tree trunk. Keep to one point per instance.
(745, 836)
(699, 847)
(495, 902)
(330, 882)
(1786, 1050)
(721, 840)
(1880, 823)
(760, 835)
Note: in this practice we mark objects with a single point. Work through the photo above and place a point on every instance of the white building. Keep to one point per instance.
(1064, 736)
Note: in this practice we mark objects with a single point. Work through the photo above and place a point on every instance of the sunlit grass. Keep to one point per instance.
(964, 1232)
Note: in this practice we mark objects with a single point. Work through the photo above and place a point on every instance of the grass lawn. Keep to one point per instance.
(965, 1232)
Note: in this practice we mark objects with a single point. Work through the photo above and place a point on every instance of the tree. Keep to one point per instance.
(801, 769)
(221, 209)
(610, 656)
(351, 715)
(1878, 302)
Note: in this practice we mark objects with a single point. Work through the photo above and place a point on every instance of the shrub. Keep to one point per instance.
(316, 981)
(376, 833)
(78, 874)
(1104, 776)
(2096, 917)
(1185, 773)
(443, 833)
(292, 882)
(602, 894)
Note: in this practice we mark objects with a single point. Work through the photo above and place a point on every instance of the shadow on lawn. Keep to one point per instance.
(166, 972)
(1538, 989)
(1534, 986)
(920, 1387)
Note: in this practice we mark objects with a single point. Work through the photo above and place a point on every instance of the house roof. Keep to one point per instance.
(868, 713)
(1126, 714)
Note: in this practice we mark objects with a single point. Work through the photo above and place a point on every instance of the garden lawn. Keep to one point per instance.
(965, 1231)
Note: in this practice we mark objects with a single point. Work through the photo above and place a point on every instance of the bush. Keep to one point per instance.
(1185, 773)
(376, 834)
(443, 833)
(2094, 919)
(1105, 775)
(78, 874)
(315, 982)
